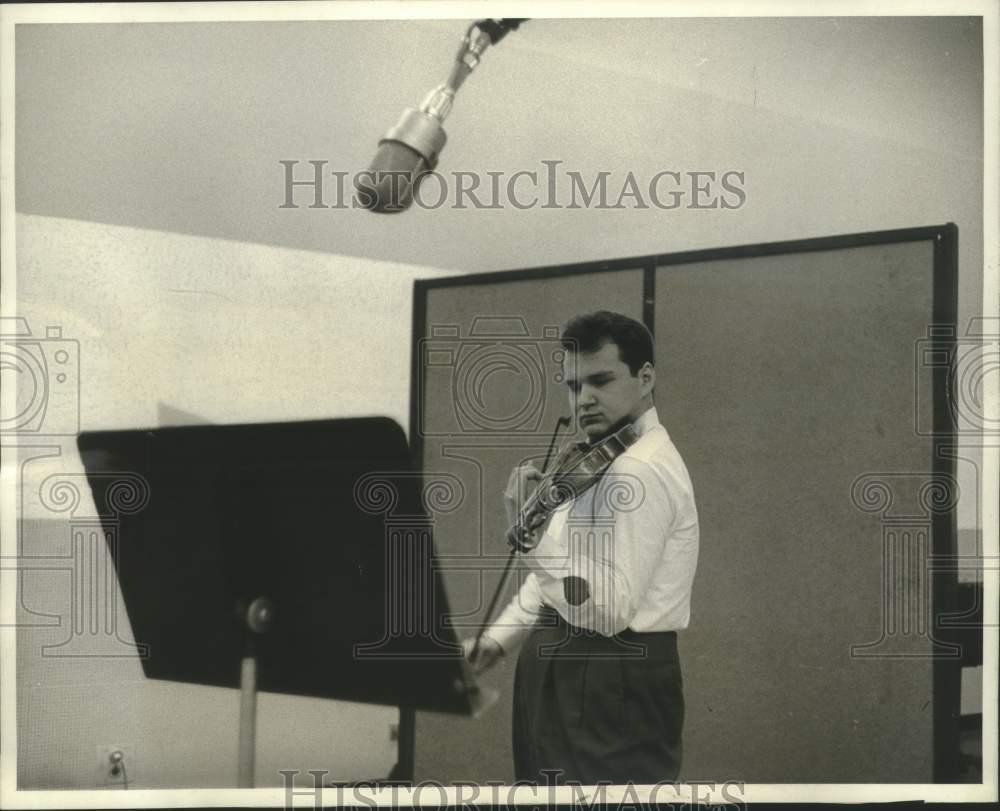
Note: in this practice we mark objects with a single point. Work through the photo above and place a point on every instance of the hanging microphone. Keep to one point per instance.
(406, 153)
(411, 149)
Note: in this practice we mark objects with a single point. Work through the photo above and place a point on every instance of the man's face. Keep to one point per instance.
(602, 390)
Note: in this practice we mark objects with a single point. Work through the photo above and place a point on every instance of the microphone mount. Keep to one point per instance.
(478, 37)
(411, 148)
(420, 129)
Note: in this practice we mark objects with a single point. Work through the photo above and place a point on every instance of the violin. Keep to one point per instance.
(578, 467)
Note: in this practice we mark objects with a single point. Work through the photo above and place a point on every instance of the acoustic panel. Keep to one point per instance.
(794, 386)
(488, 395)
(806, 386)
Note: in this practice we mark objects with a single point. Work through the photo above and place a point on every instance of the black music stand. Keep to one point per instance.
(287, 557)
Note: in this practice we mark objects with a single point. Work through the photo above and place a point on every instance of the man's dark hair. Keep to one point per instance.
(590, 331)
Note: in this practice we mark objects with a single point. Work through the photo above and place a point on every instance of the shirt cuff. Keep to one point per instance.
(508, 637)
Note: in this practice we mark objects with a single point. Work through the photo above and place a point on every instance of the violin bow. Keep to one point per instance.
(560, 423)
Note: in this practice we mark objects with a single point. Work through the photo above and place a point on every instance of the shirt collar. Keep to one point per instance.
(646, 421)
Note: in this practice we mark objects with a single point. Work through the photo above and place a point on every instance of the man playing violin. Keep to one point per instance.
(598, 691)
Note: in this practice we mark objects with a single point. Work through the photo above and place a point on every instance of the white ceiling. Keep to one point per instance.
(839, 124)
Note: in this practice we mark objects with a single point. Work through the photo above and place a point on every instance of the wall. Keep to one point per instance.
(840, 125)
(174, 329)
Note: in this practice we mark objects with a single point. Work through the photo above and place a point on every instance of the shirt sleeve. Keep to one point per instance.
(614, 542)
(517, 619)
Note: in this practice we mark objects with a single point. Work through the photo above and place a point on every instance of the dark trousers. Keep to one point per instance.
(597, 708)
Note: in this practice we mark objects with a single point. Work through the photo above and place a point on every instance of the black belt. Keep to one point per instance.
(548, 617)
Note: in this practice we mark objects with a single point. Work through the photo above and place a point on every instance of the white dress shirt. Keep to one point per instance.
(633, 538)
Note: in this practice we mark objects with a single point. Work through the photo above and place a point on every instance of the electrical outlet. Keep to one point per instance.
(116, 766)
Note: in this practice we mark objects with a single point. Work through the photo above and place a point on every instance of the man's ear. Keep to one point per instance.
(647, 377)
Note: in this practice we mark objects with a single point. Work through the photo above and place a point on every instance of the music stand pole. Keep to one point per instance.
(259, 617)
